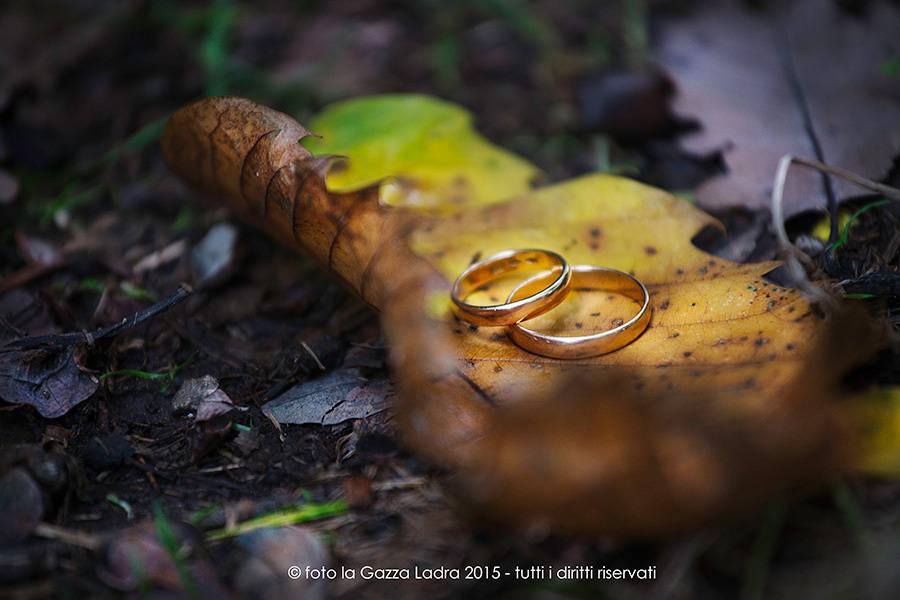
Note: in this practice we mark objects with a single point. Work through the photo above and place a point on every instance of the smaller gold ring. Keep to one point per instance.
(584, 346)
(505, 263)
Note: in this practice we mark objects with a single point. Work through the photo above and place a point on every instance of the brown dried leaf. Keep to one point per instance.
(802, 78)
(717, 397)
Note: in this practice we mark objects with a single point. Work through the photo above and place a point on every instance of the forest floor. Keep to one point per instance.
(95, 229)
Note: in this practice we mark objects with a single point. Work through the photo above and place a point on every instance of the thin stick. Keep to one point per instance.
(70, 339)
(72, 537)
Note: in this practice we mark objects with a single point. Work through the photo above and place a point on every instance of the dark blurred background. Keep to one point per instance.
(565, 84)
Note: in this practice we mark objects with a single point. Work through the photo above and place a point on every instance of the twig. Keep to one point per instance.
(71, 537)
(793, 256)
(313, 354)
(63, 340)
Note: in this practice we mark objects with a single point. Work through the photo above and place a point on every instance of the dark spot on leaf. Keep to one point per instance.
(649, 250)
(687, 353)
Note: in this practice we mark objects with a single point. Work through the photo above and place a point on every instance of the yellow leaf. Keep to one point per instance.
(425, 148)
(877, 413)
(717, 326)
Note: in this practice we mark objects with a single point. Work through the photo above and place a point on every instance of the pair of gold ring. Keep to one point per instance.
(544, 291)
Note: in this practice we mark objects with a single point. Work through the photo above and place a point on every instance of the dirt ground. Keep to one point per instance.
(84, 88)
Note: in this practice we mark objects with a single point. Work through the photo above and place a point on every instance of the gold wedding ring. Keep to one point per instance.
(536, 302)
(585, 278)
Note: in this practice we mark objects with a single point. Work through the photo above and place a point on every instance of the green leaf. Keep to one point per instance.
(429, 147)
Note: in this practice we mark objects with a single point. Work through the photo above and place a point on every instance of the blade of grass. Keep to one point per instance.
(136, 292)
(214, 50)
(290, 516)
(757, 569)
(198, 516)
(123, 504)
(851, 511)
(845, 234)
(140, 139)
(174, 549)
(167, 375)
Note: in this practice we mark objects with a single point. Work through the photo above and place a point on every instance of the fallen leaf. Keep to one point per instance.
(333, 398)
(45, 371)
(801, 78)
(877, 413)
(204, 397)
(425, 147)
(51, 380)
(726, 391)
(213, 257)
(211, 408)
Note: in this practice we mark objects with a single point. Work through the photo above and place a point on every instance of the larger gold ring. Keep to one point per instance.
(551, 264)
(584, 346)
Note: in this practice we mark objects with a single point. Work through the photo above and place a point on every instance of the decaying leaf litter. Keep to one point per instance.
(227, 301)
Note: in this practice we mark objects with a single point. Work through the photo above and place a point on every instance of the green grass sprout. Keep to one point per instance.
(136, 292)
(123, 504)
(174, 549)
(300, 513)
(757, 568)
(214, 49)
(845, 234)
(200, 515)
